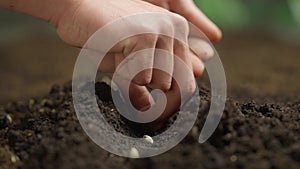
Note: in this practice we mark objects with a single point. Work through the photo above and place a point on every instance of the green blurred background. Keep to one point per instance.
(240, 14)
(260, 49)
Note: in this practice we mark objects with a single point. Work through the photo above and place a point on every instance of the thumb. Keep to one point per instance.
(190, 11)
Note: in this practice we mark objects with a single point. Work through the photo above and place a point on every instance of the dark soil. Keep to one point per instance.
(44, 133)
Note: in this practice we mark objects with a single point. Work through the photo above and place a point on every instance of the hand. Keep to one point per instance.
(77, 20)
(78, 24)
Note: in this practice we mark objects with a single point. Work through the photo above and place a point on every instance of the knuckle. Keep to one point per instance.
(168, 28)
(180, 22)
(164, 86)
(149, 38)
(143, 78)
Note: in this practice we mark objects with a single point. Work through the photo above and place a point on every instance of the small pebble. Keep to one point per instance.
(195, 132)
(134, 153)
(148, 139)
(41, 110)
(43, 102)
(39, 136)
(90, 125)
(31, 102)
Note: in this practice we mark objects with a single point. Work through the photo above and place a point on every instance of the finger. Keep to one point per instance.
(107, 64)
(139, 63)
(163, 4)
(182, 51)
(183, 86)
(197, 64)
(163, 60)
(139, 96)
(183, 69)
(190, 11)
(176, 96)
(201, 48)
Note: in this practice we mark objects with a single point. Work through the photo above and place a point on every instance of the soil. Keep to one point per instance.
(44, 133)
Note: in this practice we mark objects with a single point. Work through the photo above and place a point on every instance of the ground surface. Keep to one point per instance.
(43, 132)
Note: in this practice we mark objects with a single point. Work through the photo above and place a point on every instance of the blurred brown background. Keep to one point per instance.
(260, 50)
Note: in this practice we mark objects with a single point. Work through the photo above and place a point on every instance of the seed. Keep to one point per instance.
(134, 153)
(148, 139)
(233, 158)
(106, 80)
(14, 158)
(9, 118)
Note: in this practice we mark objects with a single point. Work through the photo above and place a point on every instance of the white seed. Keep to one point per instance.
(9, 118)
(134, 153)
(148, 139)
(14, 158)
(233, 158)
(106, 80)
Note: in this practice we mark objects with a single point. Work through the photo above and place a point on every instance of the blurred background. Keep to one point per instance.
(260, 50)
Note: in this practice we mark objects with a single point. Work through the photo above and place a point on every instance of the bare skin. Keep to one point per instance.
(76, 20)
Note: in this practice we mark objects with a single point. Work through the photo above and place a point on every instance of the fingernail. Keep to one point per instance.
(202, 49)
(145, 108)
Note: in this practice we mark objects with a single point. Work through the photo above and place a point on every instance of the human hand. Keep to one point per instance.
(77, 25)
(77, 20)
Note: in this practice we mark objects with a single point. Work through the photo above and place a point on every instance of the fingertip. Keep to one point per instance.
(216, 35)
(143, 78)
(194, 15)
(198, 66)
